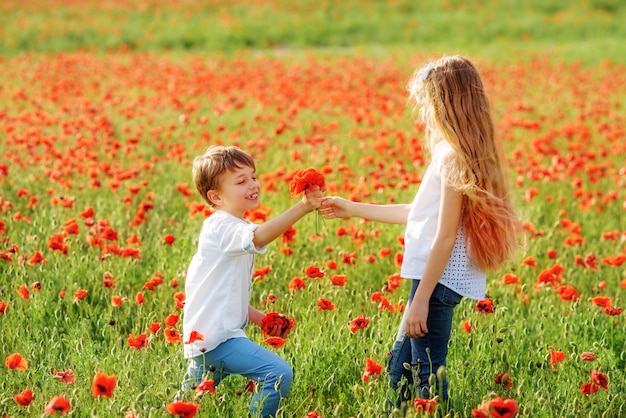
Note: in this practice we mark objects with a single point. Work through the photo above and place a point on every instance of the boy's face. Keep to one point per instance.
(238, 192)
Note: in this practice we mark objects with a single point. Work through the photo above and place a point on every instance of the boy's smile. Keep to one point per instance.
(238, 191)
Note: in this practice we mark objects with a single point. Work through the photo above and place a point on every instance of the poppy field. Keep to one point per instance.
(99, 219)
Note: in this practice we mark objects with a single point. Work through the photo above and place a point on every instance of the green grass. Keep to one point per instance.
(589, 31)
(335, 75)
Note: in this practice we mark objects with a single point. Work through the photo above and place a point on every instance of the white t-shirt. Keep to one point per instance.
(219, 282)
(459, 274)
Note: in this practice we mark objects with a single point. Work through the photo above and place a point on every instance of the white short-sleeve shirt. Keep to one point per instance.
(219, 282)
(460, 274)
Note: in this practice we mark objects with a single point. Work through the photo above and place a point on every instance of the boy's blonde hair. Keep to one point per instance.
(208, 168)
(455, 108)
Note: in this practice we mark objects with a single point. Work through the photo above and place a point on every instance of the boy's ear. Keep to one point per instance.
(214, 197)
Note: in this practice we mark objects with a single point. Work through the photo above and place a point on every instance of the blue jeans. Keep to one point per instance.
(415, 363)
(243, 357)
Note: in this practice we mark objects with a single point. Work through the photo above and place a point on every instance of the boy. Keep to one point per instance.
(219, 278)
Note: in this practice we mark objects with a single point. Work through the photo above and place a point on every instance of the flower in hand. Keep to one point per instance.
(276, 325)
(305, 179)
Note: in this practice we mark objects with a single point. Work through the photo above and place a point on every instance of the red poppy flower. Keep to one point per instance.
(204, 387)
(314, 272)
(556, 357)
(467, 326)
(141, 341)
(567, 292)
(331, 264)
(80, 294)
(172, 336)
(503, 379)
(171, 320)
(529, 261)
(272, 320)
(24, 398)
(425, 406)
(288, 235)
(602, 301)
(57, 404)
(600, 379)
(485, 306)
(103, 385)
(194, 336)
(179, 299)
(67, 376)
(588, 388)
(371, 368)
(275, 342)
(325, 305)
(37, 258)
(116, 301)
(393, 282)
(3, 308)
(609, 310)
(139, 299)
(480, 412)
(339, 279)
(260, 273)
(250, 386)
(169, 239)
(16, 362)
(503, 408)
(588, 356)
(87, 213)
(305, 179)
(183, 409)
(23, 291)
(154, 327)
(360, 322)
(296, 284)
(509, 278)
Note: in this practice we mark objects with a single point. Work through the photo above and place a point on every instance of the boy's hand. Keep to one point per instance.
(278, 331)
(312, 197)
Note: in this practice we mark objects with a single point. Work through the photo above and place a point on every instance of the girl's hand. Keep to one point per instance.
(416, 326)
(335, 207)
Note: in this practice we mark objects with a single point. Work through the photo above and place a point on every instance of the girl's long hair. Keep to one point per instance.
(454, 107)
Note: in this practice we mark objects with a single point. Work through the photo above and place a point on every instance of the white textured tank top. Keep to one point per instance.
(460, 274)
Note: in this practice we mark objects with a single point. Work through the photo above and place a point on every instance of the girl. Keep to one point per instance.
(460, 224)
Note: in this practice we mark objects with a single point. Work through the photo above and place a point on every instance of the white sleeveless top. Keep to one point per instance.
(460, 274)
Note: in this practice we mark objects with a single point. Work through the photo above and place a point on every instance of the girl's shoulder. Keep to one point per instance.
(443, 153)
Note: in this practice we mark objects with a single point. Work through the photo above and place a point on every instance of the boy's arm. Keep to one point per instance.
(255, 316)
(270, 230)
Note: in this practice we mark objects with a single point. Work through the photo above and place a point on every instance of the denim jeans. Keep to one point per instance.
(243, 357)
(415, 362)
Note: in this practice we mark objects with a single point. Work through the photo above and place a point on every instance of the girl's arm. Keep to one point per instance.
(337, 207)
(270, 230)
(448, 223)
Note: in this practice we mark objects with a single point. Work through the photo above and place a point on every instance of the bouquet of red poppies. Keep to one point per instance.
(274, 319)
(304, 179)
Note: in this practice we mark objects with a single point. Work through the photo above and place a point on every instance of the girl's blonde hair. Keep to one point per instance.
(208, 168)
(454, 107)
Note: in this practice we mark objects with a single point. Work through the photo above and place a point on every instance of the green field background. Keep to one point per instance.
(587, 30)
(104, 104)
